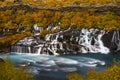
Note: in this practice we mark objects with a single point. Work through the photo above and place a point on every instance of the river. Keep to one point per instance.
(56, 67)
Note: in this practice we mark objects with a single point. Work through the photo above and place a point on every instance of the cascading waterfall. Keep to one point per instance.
(84, 41)
(54, 42)
(29, 50)
(115, 42)
(20, 49)
(36, 30)
(39, 50)
(61, 46)
(101, 46)
(47, 37)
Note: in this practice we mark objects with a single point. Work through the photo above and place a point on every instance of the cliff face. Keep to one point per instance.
(112, 41)
(101, 9)
(71, 41)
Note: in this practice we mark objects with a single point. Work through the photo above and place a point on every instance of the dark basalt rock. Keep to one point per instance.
(98, 9)
(102, 9)
(107, 38)
(4, 49)
(70, 43)
(112, 40)
(1, 60)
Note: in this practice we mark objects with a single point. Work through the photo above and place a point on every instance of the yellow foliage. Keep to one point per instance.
(44, 32)
(9, 20)
(112, 73)
(108, 21)
(74, 76)
(9, 72)
(10, 40)
(60, 3)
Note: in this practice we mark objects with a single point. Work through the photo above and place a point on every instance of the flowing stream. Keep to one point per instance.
(57, 67)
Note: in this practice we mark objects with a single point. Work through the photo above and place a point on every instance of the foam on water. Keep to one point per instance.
(81, 64)
(66, 69)
(65, 61)
(56, 62)
(59, 66)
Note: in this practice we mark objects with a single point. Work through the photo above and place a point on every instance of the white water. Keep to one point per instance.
(45, 62)
(89, 40)
(39, 50)
(47, 37)
(85, 39)
(29, 50)
(116, 40)
(37, 30)
(101, 46)
(54, 42)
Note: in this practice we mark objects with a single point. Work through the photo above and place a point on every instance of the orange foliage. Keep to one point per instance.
(10, 40)
(9, 20)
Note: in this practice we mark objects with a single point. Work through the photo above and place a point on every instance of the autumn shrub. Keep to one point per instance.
(44, 32)
(74, 76)
(111, 73)
(44, 18)
(59, 3)
(9, 72)
(11, 40)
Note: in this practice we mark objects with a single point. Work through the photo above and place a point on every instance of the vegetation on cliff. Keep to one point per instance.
(15, 23)
(11, 40)
(59, 3)
(14, 20)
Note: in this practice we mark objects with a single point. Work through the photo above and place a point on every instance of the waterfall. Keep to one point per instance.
(73, 41)
(47, 37)
(36, 30)
(61, 45)
(39, 50)
(54, 44)
(100, 44)
(29, 50)
(18, 49)
(77, 39)
(85, 40)
(115, 42)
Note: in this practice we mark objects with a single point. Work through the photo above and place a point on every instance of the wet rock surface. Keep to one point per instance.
(70, 41)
